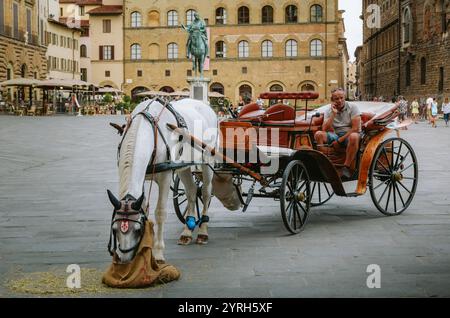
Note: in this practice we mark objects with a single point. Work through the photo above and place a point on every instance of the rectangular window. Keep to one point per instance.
(106, 52)
(167, 72)
(307, 69)
(29, 25)
(139, 73)
(16, 20)
(189, 73)
(61, 12)
(214, 72)
(83, 72)
(107, 73)
(244, 70)
(81, 10)
(106, 26)
(69, 43)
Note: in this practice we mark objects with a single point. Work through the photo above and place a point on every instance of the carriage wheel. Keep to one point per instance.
(321, 192)
(393, 176)
(295, 196)
(180, 199)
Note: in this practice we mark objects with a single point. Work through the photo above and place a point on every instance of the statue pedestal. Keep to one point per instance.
(199, 88)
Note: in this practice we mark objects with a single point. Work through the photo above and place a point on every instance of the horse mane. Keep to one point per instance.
(127, 157)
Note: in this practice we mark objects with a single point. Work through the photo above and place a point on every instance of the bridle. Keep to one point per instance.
(126, 210)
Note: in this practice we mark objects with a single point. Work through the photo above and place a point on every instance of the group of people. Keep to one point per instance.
(427, 110)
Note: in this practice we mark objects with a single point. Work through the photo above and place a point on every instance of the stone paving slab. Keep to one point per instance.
(53, 168)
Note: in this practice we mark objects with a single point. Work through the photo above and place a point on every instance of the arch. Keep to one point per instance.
(276, 87)
(153, 18)
(316, 13)
(83, 50)
(267, 49)
(291, 48)
(243, 49)
(291, 14)
(138, 89)
(307, 85)
(246, 91)
(135, 53)
(427, 19)
(221, 49)
(172, 51)
(24, 70)
(316, 48)
(108, 84)
(190, 16)
(10, 71)
(153, 51)
(172, 18)
(267, 14)
(221, 15)
(243, 15)
(407, 25)
(167, 89)
(217, 87)
(135, 19)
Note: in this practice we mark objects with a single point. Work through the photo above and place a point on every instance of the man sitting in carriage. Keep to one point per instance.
(341, 128)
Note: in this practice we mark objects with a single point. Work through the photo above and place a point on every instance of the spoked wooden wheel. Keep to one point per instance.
(393, 176)
(320, 193)
(295, 196)
(180, 200)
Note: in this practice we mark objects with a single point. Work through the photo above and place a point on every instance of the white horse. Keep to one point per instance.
(137, 150)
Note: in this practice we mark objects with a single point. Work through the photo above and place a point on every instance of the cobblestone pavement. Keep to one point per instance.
(54, 212)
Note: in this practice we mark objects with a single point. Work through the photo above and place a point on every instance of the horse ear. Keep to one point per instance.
(138, 204)
(116, 203)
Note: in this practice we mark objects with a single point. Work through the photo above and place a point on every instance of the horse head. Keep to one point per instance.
(127, 227)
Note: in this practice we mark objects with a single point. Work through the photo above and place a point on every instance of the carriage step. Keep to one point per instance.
(353, 195)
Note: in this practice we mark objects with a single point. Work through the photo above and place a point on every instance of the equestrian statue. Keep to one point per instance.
(197, 44)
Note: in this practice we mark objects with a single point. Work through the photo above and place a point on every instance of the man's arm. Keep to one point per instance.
(328, 122)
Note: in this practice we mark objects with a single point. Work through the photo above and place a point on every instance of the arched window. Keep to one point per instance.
(408, 74)
(136, 19)
(243, 50)
(136, 52)
(291, 48)
(246, 92)
(427, 20)
(316, 13)
(267, 14)
(267, 49)
(172, 51)
(190, 16)
(307, 88)
(291, 14)
(167, 89)
(172, 18)
(275, 88)
(221, 16)
(221, 49)
(316, 48)
(407, 25)
(23, 70)
(423, 71)
(137, 90)
(218, 88)
(243, 15)
(83, 50)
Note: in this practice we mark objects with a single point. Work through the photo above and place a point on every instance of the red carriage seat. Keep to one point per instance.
(250, 110)
(279, 112)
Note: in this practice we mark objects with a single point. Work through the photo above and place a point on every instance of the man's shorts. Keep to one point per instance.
(332, 137)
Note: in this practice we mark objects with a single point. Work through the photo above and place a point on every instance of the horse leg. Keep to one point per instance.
(163, 181)
(202, 236)
(191, 195)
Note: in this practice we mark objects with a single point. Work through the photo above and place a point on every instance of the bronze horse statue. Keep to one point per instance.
(197, 45)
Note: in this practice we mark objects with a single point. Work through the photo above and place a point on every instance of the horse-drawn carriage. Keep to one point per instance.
(276, 151)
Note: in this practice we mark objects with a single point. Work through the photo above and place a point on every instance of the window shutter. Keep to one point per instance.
(100, 52)
(112, 52)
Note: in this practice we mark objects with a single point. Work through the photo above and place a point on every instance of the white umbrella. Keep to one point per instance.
(215, 94)
(180, 93)
(21, 82)
(153, 93)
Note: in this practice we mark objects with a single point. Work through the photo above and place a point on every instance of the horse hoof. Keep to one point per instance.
(202, 239)
(160, 261)
(184, 240)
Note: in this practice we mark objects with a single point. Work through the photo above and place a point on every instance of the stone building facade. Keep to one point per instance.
(22, 54)
(407, 54)
(255, 46)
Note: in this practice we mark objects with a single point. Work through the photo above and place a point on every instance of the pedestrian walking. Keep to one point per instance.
(446, 110)
(415, 110)
(428, 109)
(434, 113)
